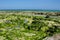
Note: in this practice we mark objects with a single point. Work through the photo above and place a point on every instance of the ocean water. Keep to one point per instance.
(38, 10)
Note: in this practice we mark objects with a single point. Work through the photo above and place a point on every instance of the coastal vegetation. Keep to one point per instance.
(28, 25)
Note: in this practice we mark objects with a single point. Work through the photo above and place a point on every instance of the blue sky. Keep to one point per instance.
(30, 4)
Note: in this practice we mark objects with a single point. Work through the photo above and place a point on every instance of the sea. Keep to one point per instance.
(38, 10)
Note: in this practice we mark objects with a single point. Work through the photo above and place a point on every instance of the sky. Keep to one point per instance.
(30, 4)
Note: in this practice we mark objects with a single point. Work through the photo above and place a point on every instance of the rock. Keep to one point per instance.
(54, 37)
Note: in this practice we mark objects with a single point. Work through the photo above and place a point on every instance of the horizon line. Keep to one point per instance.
(29, 9)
